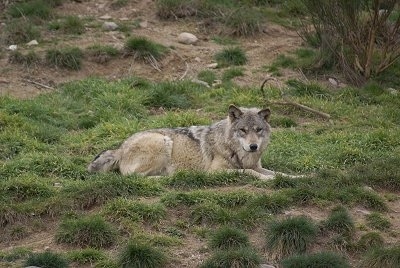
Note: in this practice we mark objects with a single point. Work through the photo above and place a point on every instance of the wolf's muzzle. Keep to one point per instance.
(253, 147)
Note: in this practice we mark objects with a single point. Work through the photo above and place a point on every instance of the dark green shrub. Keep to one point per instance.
(91, 231)
(228, 238)
(316, 260)
(46, 260)
(135, 255)
(290, 236)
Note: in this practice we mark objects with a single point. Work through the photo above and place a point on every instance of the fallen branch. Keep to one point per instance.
(37, 83)
(186, 71)
(290, 102)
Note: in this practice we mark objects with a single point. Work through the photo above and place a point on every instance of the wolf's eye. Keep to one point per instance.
(259, 130)
(242, 130)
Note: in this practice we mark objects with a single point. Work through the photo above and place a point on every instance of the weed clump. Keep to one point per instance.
(369, 241)
(143, 49)
(340, 221)
(68, 58)
(229, 238)
(231, 56)
(73, 25)
(19, 31)
(382, 257)
(91, 231)
(317, 260)
(102, 53)
(47, 260)
(37, 8)
(138, 255)
(244, 21)
(27, 59)
(87, 255)
(172, 9)
(378, 221)
(289, 236)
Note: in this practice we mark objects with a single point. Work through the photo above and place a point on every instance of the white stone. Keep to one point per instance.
(13, 47)
(105, 17)
(212, 65)
(333, 81)
(110, 26)
(143, 24)
(187, 38)
(32, 43)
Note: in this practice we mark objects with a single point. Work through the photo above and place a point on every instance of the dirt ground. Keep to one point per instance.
(183, 61)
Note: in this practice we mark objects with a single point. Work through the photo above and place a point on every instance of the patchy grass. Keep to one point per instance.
(138, 255)
(86, 256)
(322, 259)
(228, 238)
(68, 58)
(143, 49)
(382, 257)
(231, 56)
(19, 31)
(340, 221)
(378, 221)
(47, 259)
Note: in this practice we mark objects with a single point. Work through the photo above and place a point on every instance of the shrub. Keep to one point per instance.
(69, 58)
(240, 258)
(340, 221)
(228, 238)
(20, 31)
(316, 260)
(91, 231)
(135, 255)
(289, 236)
(231, 56)
(46, 260)
(378, 221)
(382, 257)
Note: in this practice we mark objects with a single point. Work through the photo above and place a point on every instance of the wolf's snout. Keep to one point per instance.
(253, 147)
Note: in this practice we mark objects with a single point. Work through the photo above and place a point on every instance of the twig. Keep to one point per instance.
(290, 102)
(186, 71)
(38, 84)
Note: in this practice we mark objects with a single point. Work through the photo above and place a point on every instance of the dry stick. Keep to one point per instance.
(186, 71)
(38, 84)
(292, 103)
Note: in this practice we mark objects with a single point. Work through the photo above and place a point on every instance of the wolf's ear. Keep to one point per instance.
(234, 112)
(265, 113)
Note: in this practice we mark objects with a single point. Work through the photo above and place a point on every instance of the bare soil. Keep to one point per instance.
(183, 62)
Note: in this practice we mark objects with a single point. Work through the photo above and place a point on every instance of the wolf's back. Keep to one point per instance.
(105, 161)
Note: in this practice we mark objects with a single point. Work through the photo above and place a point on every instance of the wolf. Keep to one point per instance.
(232, 144)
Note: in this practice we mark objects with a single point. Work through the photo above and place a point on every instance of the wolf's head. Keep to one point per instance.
(250, 127)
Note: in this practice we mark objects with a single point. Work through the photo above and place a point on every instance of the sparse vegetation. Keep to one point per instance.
(382, 257)
(47, 260)
(38, 9)
(340, 221)
(378, 221)
(28, 59)
(20, 31)
(240, 258)
(143, 49)
(317, 260)
(231, 56)
(228, 238)
(102, 53)
(68, 58)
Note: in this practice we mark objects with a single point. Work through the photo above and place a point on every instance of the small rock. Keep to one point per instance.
(212, 65)
(124, 19)
(32, 43)
(105, 17)
(197, 59)
(333, 81)
(392, 91)
(187, 38)
(57, 184)
(13, 47)
(266, 266)
(110, 26)
(143, 24)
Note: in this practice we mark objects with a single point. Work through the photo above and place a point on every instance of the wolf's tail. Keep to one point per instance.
(104, 161)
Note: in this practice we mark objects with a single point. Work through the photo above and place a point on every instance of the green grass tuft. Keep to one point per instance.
(382, 257)
(369, 241)
(28, 59)
(207, 76)
(86, 256)
(377, 221)
(290, 236)
(102, 53)
(90, 231)
(68, 58)
(136, 255)
(240, 258)
(19, 31)
(143, 49)
(231, 56)
(73, 25)
(228, 238)
(39, 9)
(47, 260)
(340, 221)
(316, 260)
(244, 21)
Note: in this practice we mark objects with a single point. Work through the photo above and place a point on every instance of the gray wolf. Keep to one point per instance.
(233, 144)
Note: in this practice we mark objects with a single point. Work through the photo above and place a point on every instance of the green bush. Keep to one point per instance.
(47, 260)
(316, 260)
(290, 236)
(136, 255)
(91, 231)
(228, 238)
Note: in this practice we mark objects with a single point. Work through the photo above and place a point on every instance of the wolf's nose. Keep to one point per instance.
(253, 147)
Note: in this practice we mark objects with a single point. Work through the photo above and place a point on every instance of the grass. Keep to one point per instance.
(86, 256)
(316, 260)
(239, 258)
(231, 56)
(207, 76)
(90, 231)
(245, 21)
(340, 221)
(102, 53)
(47, 260)
(228, 238)
(144, 49)
(68, 58)
(377, 221)
(37, 8)
(136, 255)
(19, 31)
(382, 257)
(72, 25)
(289, 236)
(369, 241)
